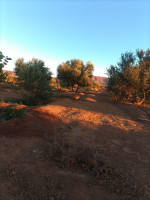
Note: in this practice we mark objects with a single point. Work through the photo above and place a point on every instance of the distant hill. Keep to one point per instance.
(99, 79)
(11, 73)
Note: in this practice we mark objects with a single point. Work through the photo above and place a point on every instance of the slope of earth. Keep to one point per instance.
(11, 73)
(99, 79)
(91, 148)
(9, 92)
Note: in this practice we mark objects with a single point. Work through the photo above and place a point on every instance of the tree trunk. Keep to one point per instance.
(77, 89)
(72, 88)
(144, 96)
(147, 91)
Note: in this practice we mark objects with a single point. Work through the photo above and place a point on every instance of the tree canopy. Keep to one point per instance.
(129, 80)
(34, 78)
(3, 61)
(75, 73)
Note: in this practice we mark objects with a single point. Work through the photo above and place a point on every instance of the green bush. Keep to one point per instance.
(34, 78)
(28, 101)
(3, 61)
(9, 113)
(129, 80)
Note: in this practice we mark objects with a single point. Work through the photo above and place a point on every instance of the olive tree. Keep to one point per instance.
(75, 73)
(129, 80)
(3, 61)
(34, 78)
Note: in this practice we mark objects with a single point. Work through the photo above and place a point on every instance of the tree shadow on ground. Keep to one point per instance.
(40, 138)
(102, 103)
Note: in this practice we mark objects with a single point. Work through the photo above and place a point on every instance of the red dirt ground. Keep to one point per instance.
(85, 149)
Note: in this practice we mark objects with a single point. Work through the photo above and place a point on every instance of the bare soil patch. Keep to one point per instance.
(90, 148)
(7, 92)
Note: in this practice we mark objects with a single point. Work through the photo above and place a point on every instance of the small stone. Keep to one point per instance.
(69, 127)
(93, 163)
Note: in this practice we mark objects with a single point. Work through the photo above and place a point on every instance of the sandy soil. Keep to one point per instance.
(85, 149)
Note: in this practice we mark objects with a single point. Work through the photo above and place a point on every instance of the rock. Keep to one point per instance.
(93, 163)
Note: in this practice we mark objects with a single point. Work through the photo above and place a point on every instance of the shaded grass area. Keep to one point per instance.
(34, 101)
(10, 113)
(27, 102)
(62, 95)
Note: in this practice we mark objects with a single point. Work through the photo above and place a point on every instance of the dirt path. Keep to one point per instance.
(88, 149)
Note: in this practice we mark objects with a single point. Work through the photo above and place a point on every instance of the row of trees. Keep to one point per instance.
(129, 80)
(35, 78)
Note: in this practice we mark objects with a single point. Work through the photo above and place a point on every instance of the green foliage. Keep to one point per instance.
(74, 73)
(10, 79)
(62, 96)
(9, 113)
(96, 85)
(26, 101)
(3, 61)
(34, 78)
(93, 87)
(129, 80)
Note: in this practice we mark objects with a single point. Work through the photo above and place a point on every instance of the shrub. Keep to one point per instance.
(34, 78)
(129, 80)
(27, 101)
(3, 61)
(9, 113)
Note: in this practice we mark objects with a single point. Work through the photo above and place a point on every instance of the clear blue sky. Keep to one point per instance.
(57, 30)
